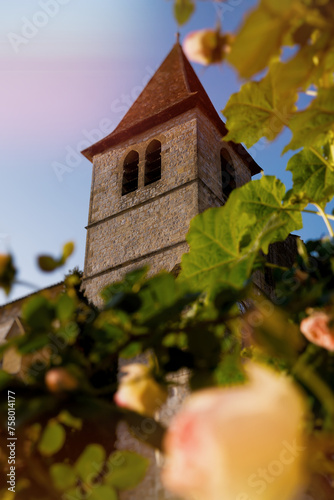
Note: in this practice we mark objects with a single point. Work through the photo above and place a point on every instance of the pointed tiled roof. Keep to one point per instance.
(173, 89)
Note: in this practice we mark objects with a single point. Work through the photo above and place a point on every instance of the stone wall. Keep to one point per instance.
(149, 225)
(210, 143)
(164, 260)
(146, 228)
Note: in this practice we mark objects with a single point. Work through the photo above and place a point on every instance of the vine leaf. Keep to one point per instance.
(314, 126)
(261, 36)
(224, 241)
(260, 109)
(313, 179)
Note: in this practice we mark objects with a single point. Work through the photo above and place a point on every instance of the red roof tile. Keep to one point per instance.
(173, 89)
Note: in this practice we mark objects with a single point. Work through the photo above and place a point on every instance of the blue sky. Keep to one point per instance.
(75, 73)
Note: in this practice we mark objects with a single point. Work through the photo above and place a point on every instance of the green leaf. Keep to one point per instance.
(68, 249)
(126, 469)
(229, 371)
(5, 378)
(261, 36)
(67, 419)
(314, 126)
(53, 439)
(103, 492)
(205, 352)
(63, 476)
(183, 10)
(260, 109)
(224, 241)
(131, 283)
(90, 461)
(38, 313)
(27, 345)
(132, 350)
(313, 179)
(162, 299)
(7, 272)
(65, 307)
(48, 263)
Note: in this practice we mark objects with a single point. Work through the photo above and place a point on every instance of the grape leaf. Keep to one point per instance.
(314, 126)
(313, 179)
(260, 109)
(261, 36)
(224, 241)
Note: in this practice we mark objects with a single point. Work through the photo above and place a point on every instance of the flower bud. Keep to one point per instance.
(318, 328)
(138, 391)
(60, 379)
(207, 46)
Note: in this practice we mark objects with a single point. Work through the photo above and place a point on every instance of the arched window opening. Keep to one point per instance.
(227, 173)
(130, 173)
(153, 162)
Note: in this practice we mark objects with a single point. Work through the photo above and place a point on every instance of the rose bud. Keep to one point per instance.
(239, 443)
(60, 380)
(207, 46)
(138, 391)
(318, 328)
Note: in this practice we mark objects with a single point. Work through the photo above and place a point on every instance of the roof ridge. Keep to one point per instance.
(184, 72)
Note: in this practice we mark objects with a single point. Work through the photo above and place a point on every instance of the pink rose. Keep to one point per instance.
(138, 391)
(206, 46)
(318, 330)
(239, 443)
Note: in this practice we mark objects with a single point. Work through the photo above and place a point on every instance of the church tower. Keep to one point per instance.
(164, 163)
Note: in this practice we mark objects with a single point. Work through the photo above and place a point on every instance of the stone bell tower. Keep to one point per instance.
(164, 163)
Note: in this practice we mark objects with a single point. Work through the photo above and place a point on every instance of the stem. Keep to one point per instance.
(325, 219)
(275, 266)
(328, 216)
(327, 163)
(26, 284)
(331, 217)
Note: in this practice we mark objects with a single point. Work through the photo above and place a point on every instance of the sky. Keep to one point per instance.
(69, 71)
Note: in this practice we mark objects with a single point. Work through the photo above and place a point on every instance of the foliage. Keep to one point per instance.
(49, 264)
(211, 318)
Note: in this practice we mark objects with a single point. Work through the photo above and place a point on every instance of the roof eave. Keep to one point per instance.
(116, 138)
(194, 100)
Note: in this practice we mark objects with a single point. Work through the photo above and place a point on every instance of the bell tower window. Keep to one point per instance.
(227, 173)
(130, 173)
(153, 162)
